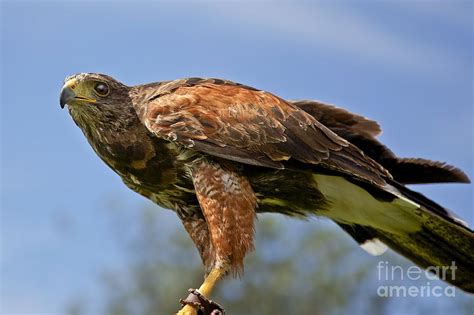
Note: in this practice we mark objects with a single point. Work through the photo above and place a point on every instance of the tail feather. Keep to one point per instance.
(405, 170)
(439, 245)
(436, 245)
(444, 240)
(428, 205)
(366, 238)
(422, 171)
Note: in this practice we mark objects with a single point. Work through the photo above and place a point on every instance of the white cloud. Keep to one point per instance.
(339, 30)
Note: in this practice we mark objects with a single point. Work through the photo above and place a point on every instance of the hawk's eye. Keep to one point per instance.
(101, 88)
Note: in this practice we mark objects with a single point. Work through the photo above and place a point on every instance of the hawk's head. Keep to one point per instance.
(97, 100)
(92, 89)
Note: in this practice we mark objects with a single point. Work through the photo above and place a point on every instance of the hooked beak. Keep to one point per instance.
(67, 94)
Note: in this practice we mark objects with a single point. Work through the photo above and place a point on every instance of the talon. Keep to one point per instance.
(192, 299)
(201, 304)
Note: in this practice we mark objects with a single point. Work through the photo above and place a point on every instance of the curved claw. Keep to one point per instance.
(201, 304)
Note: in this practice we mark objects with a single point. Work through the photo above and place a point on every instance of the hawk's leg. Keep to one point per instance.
(198, 230)
(228, 205)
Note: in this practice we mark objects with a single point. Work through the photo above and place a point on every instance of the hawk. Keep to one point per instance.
(218, 152)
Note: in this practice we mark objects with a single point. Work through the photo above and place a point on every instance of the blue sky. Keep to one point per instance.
(406, 64)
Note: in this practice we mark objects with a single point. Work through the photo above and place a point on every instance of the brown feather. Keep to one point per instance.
(361, 132)
(198, 230)
(228, 203)
(333, 117)
(421, 171)
(256, 127)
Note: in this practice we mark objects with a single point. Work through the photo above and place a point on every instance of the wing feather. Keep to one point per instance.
(362, 132)
(335, 117)
(240, 123)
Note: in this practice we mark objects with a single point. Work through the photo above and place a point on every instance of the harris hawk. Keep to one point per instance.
(218, 152)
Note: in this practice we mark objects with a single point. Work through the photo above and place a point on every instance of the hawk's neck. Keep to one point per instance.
(124, 144)
(151, 166)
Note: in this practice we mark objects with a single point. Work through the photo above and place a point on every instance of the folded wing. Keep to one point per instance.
(362, 132)
(246, 125)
